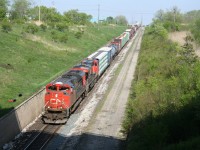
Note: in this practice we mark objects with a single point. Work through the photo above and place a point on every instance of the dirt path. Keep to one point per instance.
(179, 38)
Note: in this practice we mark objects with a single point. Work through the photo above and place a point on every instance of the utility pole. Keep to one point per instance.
(174, 11)
(132, 20)
(98, 15)
(39, 12)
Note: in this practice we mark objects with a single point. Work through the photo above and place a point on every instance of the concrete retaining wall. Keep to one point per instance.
(15, 121)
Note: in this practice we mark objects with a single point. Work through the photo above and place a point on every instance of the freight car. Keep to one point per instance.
(110, 50)
(64, 94)
(120, 41)
(131, 32)
(102, 59)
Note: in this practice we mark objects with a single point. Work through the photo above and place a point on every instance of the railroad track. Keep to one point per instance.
(43, 137)
(37, 137)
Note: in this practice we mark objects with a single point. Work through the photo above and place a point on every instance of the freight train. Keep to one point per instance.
(65, 93)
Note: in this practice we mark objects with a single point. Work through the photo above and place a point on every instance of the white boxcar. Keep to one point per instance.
(102, 58)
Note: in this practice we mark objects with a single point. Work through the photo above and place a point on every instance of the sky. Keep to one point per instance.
(133, 10)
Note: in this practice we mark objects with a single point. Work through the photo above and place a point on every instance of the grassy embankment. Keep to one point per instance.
(28, 61)
(163, 111)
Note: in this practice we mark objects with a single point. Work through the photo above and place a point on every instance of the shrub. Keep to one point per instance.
(43, 27)
(31, 28)
(78, 34)
(19, 21)
(61, 27)
(59, 37)
(158, 30)
(54, 36)
(63, 38)
(6, 27)
(51, 25)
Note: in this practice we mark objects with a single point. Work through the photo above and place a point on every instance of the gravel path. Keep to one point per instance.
(98, 125)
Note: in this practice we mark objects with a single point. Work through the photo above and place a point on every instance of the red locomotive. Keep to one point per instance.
(64, 94)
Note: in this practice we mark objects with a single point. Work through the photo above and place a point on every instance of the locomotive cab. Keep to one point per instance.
(57, 101)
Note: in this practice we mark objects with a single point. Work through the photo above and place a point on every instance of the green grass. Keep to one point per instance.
(27, 65)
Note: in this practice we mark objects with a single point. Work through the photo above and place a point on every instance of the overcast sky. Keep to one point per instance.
(133, 10)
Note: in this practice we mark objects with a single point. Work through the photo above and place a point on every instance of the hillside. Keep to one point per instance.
(179, 37)
(163, 108)
(29, 61)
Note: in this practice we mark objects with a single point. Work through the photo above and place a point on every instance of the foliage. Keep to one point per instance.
(110, 20)
(158, 29)
(3, 9)
(31, 28)
(43, 27)
(58, 37)
(78, 34)
(121, 20)
(19, 9)
(54, 36)
(6, 26)
(74, 17)
(170, 19)
(191, 16)
(63, 38)
(62, 27)
(48, 15)
(196, 30)
(163, 108)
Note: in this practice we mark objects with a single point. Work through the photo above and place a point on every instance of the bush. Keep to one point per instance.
(171, 26)
(6, 27)
(51, 25)
(78, 34)
(43, 27)
(158, 30)
(61, 27)
(31, 28)
(63, 38)
(195, 30)
(19, 21)
(54, 36)
(59, 37)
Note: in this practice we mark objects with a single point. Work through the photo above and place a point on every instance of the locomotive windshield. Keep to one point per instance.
(53, 88)
(87, 62)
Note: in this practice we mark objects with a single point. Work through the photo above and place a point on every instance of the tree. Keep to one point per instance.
(160, 15)
(3, 9)
(171, 19)
(121, 20)
(6, 26)
(195, 30)
(19, 9)
(110, 19)
(191, 16)
(158, 30)
(48, 15)
(74, 17)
